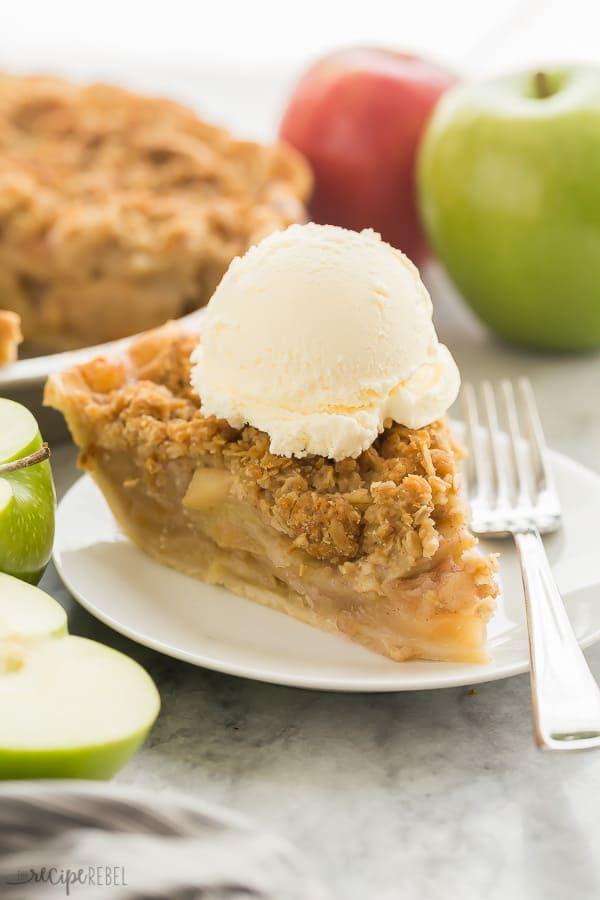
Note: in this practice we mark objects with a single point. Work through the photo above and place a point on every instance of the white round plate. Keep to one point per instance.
(208, 626)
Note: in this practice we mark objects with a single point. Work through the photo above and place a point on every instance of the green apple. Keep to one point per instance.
(509, 189)
(69, 707)
(27, 613)
(26, 495)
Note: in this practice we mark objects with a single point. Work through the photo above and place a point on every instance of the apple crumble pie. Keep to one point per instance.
(375, 548)
(119, 211)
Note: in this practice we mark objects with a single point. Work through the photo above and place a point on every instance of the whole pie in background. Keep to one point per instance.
(118, 211)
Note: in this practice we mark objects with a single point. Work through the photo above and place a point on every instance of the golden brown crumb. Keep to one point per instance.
(119, 211)
(10, 336)
(397, 501)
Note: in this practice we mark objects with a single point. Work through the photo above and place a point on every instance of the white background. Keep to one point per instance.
(259, 46)
(470, 32)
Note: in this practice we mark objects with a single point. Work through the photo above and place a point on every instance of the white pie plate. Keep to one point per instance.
(34, 371)
(208, 626)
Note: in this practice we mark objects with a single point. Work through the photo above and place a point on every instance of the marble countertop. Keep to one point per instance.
(419, 796)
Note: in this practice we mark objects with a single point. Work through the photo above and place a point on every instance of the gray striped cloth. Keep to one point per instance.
(91, 841)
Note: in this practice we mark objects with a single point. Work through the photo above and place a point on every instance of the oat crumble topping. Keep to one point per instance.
(397, 499)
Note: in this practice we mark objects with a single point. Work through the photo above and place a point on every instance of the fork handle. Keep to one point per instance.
(566, 698)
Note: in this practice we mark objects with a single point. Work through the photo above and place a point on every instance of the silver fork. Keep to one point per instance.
(512, 494)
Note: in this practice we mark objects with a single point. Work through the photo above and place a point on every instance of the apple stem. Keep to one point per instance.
(32, 460)
(542, 86)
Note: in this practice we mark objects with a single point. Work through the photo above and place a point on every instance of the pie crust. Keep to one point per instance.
(375, 548)
(10, 336)
(118, 211)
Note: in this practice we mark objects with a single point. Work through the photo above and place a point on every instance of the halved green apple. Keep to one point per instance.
(26, 495)
(27, 613)
(69, 707)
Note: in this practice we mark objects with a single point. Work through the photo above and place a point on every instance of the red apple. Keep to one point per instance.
(358, 116)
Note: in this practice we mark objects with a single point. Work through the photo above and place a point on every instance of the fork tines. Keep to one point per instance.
(508, 479)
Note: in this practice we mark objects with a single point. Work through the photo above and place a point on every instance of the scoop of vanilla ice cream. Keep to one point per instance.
(317, 336)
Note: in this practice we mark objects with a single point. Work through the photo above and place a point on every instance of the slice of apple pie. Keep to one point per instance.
(376, 548)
